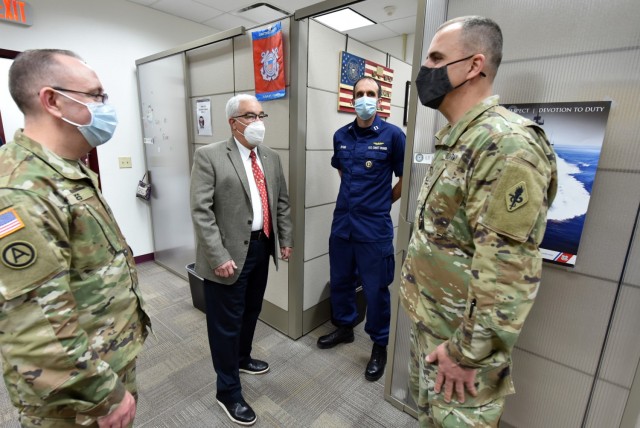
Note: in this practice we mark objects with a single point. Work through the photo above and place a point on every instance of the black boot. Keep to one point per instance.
(341, 335)
(375, 368)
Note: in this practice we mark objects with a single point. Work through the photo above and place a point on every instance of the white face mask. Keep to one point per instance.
(254, 132)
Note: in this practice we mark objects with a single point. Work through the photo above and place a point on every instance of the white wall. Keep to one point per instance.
(110, 36)
(396, 47)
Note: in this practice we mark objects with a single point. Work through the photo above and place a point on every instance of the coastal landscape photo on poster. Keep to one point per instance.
(576, 131)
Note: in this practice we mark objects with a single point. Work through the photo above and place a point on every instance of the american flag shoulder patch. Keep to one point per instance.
(10, 222)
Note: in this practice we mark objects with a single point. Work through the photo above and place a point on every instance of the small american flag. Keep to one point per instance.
(9, 222)
(352, 68)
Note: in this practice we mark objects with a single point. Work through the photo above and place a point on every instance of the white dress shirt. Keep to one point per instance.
(256, 202)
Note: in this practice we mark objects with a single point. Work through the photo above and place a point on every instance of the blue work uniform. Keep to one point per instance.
(361, 241)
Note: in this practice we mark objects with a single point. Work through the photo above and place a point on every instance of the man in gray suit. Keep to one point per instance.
(240, 212)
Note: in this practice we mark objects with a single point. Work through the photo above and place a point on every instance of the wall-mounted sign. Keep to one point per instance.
(268, 63)
(351, 69)
(203, 117)
(576, 131)
(16, 11)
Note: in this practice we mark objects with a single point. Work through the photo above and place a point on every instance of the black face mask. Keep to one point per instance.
(433, 84)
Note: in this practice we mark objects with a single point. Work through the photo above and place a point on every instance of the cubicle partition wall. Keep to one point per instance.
(300, 128)
(576, 362)
(322, 120)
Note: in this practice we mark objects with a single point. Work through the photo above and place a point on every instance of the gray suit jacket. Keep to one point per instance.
(221, 207)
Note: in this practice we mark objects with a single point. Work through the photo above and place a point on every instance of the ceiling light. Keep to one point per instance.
(261, 13)
(344, 20)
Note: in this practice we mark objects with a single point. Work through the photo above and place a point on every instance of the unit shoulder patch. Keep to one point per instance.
(18, 255)
(517, 196)
(515, 201)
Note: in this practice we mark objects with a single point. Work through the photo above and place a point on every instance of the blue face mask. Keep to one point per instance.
(103, 122)
(366, 107)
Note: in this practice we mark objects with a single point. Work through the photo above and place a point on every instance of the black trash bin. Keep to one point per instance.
(196, 284)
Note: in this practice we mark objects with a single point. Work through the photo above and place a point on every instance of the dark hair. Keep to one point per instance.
(30, 71)
(370, 78)
(481, 35)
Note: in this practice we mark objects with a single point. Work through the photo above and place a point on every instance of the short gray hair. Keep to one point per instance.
(234, 103)
(34, 69)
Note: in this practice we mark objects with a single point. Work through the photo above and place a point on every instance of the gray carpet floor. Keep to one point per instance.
(305, 387)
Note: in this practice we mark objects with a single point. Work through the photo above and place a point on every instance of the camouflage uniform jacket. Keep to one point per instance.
(71, 312)
(473, 266)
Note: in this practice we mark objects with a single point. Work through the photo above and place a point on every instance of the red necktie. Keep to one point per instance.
(262, 188)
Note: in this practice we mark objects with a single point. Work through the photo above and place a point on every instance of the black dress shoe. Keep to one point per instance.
(255, 367)
(341, 335)
(239, 412)
(375, 368)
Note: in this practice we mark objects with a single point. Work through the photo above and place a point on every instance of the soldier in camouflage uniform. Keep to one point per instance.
(473, 266)
(71, 312)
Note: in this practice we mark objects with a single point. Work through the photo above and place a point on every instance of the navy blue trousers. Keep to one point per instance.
(373, 263)
(232, 315)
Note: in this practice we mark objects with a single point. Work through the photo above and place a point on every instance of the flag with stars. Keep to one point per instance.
(352, 68)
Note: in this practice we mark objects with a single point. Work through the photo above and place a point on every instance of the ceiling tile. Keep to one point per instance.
(371, 32)
(227, 6)
(374, 9)
(402, 26)
(187, 9)
(228, 21)
(143, 2)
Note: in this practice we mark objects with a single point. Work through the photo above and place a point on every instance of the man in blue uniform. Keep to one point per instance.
(366, 153)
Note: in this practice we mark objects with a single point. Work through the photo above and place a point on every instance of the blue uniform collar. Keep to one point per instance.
(375, 128)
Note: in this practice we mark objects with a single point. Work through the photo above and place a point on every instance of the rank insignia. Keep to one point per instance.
(368, 164)
(18, 255)
(517, 196)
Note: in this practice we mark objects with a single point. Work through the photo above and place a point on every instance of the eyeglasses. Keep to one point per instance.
(103, 97)
(251, 117)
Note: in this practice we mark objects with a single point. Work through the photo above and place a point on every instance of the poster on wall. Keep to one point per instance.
(351, 69)
(268, 63)
(203, 117)
(576, 131)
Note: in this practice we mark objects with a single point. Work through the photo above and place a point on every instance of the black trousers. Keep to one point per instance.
(232, 315)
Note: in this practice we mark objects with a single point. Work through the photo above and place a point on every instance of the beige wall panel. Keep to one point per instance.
(569, 319)
(603, 245)
(284, 160)
(547, 394)
(243, 58)
(277, 124)
(323, 119)
(401, 74)
(607, 405)
(367, 52)
(325, 45)
(278, 285)
(211, 69)
(396, 117)
(219, 122)
(317, 230)
(632, 274)
(323, 180)
(595, 25)
(243, 64)
(623, 349)
(316, 281)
